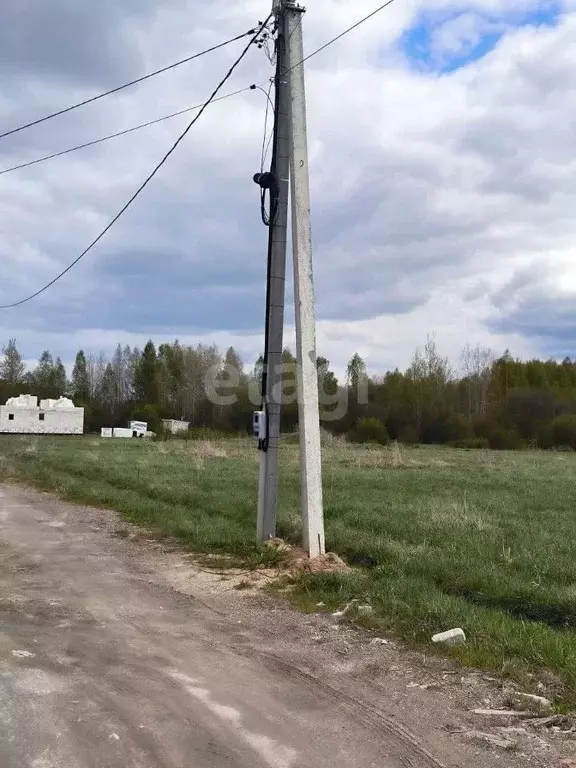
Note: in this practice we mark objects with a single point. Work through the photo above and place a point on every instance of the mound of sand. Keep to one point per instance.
(296, 560)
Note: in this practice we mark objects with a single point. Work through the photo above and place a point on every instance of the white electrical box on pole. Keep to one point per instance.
(267, 422)
(308, 407)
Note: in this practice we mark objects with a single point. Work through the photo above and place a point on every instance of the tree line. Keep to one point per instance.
(484, 401)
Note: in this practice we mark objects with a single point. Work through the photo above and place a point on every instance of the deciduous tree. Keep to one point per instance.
(11, 367)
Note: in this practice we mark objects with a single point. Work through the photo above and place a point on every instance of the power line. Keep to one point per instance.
(272, 190)
(269, 106)
(126, 85)
(149, 177)
(119, 133)
(167, 117)
(343, 34)
(182, 111)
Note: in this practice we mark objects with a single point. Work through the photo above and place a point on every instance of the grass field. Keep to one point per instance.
(441, 538)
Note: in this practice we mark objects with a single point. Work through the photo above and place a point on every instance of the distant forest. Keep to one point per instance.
(488, 401)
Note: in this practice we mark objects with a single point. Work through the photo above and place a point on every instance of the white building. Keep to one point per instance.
(173, 426)
(23, 416)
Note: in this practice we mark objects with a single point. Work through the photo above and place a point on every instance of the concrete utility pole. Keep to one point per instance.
(268, 488)
(308, 408)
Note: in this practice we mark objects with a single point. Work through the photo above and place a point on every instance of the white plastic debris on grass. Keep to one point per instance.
(451, 637)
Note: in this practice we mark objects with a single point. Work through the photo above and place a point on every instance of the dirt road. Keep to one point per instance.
(104, 662)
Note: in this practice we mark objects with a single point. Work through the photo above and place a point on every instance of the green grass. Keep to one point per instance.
(441, 538)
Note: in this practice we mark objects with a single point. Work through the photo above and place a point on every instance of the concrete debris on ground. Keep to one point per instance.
(425, 686)
(494, 741)
(344, 611)
(501, 714)
(538, 704)
(361, 610)
(451, 637)
(379, 641)
(553, 720)
(23, 654)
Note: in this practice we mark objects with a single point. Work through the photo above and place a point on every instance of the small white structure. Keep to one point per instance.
(174, 427)
(23, 416)
(136, 429)
(122, 432)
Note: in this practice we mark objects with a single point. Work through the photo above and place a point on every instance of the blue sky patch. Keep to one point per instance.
(445, 42)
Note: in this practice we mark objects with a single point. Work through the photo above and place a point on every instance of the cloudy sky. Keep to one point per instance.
(443, 161)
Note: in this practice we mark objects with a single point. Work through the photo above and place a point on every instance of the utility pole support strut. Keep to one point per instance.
(308, 408)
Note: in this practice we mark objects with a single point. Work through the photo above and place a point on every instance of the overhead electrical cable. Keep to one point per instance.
(119, 133)
(150, 176)
(343, 34)
(119, 88)
(204, 106)
(188, 109)
(267, 140)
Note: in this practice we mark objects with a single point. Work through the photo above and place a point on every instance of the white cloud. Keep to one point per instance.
(427, 190)
(460, 35)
